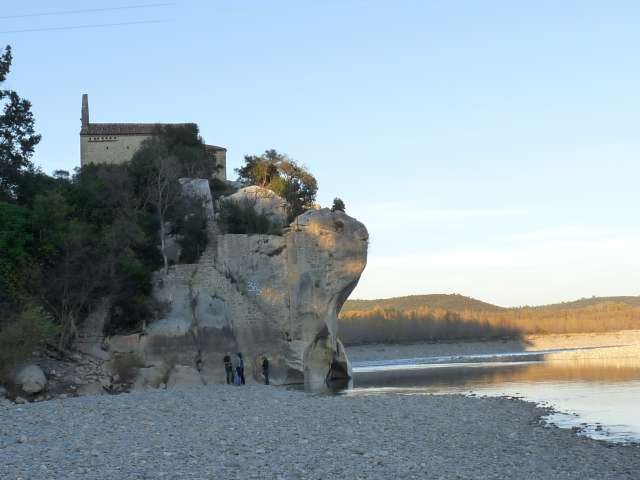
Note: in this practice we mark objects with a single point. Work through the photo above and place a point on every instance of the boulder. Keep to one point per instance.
(184, 376)
(263, 201)
(198, 188)
(31, 379)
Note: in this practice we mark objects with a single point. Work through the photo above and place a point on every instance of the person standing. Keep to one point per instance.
(228, 368)
(265, 370)
(240, 368)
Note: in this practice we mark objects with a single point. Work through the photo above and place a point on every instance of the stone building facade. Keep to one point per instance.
(117, 142)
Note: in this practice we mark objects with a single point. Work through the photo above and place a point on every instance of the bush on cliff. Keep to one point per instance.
(221, 189)
(241, 217)
(283, 176)
(190, 226)
(338, 205)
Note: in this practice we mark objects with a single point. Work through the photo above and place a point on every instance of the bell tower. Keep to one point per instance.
(85, 111)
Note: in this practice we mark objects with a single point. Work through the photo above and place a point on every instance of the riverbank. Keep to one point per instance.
(267, 432)
(528, 343)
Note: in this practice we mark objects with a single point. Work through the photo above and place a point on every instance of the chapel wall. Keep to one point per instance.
(111, 149)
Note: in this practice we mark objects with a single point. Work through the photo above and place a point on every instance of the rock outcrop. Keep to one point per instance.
(262, 295)
(198, 188)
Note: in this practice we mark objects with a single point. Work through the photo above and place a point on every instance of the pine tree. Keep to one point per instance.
(17, 134)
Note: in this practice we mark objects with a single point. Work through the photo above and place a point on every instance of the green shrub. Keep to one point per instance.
(29, 331)
(191, 230)
(338, 205)
(284, 177)
(220, 188)
(241, 217)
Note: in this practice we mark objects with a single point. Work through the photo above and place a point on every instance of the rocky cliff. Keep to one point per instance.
(262, 295)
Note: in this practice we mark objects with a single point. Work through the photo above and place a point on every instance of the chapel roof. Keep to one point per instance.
(127, 128)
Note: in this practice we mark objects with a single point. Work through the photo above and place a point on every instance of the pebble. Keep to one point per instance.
(267, 432)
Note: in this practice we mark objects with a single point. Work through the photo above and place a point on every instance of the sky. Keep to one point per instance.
(491, 148)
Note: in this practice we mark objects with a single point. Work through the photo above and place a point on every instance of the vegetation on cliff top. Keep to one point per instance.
(283, 176)
(242, 217)
(278, 173)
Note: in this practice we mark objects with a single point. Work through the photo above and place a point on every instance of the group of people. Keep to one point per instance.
(234, 369)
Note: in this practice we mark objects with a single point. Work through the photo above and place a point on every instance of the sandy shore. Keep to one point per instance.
(630, 339)
(265, 432)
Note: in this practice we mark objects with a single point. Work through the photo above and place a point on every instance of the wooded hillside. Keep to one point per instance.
(447, 317)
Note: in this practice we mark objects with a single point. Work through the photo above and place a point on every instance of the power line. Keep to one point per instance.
(88, 10)
(78, 27)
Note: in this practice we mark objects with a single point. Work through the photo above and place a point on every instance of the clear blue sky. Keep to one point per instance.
(492, 148)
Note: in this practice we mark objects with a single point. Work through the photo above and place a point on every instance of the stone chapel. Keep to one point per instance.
(117, 142)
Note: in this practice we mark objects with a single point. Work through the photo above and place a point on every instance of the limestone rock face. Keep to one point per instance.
(262, 295)
(264, 201)
(327, 254)
(31, 379)
(198, 188)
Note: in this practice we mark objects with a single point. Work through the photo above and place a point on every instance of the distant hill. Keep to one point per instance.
(457, 303)
(456, 317)
(589, 302)
(452, 302)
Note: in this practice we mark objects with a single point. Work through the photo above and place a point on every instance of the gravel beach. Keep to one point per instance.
(267, 432)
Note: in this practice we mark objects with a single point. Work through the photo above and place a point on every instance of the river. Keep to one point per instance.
(595, 391)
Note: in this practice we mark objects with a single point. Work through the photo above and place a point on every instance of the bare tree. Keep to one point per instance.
(163, 193)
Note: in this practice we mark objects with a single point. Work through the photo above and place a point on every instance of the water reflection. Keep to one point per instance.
(474, 374)
(599, 395)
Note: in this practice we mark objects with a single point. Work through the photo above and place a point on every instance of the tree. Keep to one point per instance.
(282, 175)
(338, 205)
(17, 135)
(260, 170)
(62, 175)
(299, 187)
(16, 244)
(185, 144)
(74, 279)
(155, 173)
